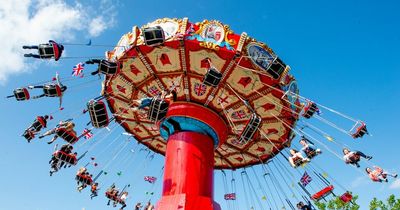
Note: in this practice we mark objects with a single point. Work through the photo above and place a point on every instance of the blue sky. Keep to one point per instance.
(344, 54)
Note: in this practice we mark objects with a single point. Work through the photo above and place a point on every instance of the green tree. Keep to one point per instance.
(392, 203)
(337, 204)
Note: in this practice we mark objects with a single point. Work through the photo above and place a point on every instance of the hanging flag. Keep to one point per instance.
(230, 196)
(305, 179)
(87, 134)
(78, 70)
(150, 179)
(264, 198)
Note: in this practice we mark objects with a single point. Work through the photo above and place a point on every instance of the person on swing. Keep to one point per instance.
(46, 51)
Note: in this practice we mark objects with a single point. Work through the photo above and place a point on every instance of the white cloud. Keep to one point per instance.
(395, 184)
(37, 21)
(105, 20)
(359, 181)
(97, 26)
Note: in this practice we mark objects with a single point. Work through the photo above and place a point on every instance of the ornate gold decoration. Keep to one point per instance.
(242, 40)
(183, 25)
(284, 74)
(228, 31)
(209, 45)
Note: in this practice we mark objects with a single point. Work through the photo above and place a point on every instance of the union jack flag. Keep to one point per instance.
(78, 69)
(305, 179)
(238, 115)
(154, 91)
(230, 196)
(200, 89)
(150, 179)
(87, 134)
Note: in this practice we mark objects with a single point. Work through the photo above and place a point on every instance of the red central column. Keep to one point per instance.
(189, 164)
(189, 157)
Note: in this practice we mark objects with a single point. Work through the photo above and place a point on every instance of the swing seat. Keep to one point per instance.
(98, 114)
(84, 179)
(355, 158)
(68, 136)
(346, 197)
(277, 68)
(250, 129)
(67, 158)
(309, 109)
(154, 36)
(312, 154)
(212, 77)
(157, 110)
(52, 49)
(107, 67)
(52, 90)
(28, 135)
(111, 196)
(298, 162)
(323, 193)
(360, 131)
(39, 123)
(21, 94)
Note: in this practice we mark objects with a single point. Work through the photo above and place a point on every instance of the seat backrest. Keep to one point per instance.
(107, 67)
(250, 129)
(66, 135)
(46, 51)
(153, 36)
(21, 94)
(52, 90)
(98, 114)
(212, 77)
(157, 110)
(276, 68)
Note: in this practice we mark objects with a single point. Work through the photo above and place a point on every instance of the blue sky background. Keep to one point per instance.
(344, 54)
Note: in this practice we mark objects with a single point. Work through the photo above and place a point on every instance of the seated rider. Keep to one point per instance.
(309, 149)
(353, 157)
(46, 51)
(379, 175)
(122, 200)
(302, 206)
(83, 183)
(138, 206)
(50, 90)
(67, 125)
(297, 158)
(94, 190)
(145, 102)
(113, 195)
(149, 206)
(37, 125)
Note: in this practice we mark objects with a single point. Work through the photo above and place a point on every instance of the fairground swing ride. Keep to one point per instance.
(212, 102)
